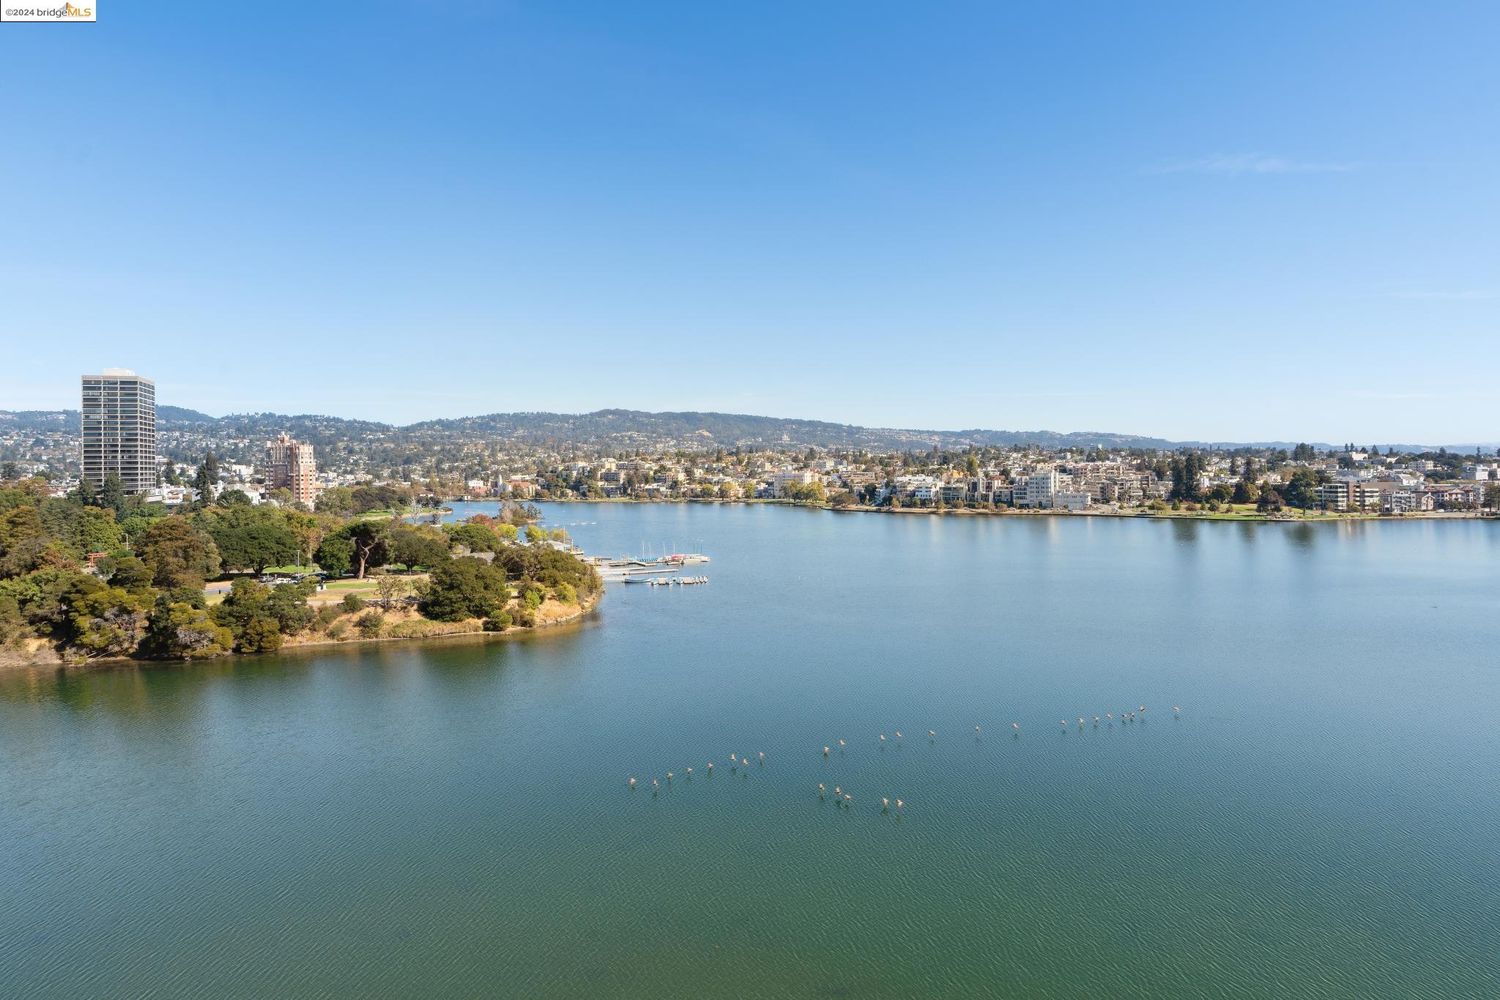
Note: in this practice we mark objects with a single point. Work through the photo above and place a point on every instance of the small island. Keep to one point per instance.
(99, 575)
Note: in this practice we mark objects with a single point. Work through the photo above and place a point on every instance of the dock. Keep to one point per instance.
(631, 570)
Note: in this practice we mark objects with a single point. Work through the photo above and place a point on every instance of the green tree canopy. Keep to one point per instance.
(368, 542)
(81, 528)
(179, 553)
(336, 500)
(413, 545)
(250, 537)
(109, 622)
(335, 555)
(1301, 488)
(465, 588)
(180, 631)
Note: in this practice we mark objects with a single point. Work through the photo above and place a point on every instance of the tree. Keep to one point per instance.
(804, 492)
(251, 537)
(307, 529)
(1186, 470)
(414, 546)
(391, 589)
(18, 526)
(180, 631)
(12, 622)
(474, 537)
(112, 494)
(284, 606)
(85, 493)
(81, 528)
(465, 588)
(336, 500)
(207, 479)
(10, 472)
(179, 553)
(246, 600)
(370, 497)
(260, 635)
(288, 605)
(1492, 496)
(131, 574)
(32, 554)
(109, 622)
(369, 544)
(335, 555)
(133, 526)
(1301, 488)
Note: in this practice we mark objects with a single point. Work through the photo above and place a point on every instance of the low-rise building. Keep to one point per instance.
(1071, 500)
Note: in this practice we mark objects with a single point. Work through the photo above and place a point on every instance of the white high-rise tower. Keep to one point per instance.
(119, 429)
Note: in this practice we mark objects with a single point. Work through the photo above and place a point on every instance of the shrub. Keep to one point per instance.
(327, 615)
(567, 593)
(339, 630)
(370, 624)
(531, 594)
(353, 604)
(498, 623)
(261, 634)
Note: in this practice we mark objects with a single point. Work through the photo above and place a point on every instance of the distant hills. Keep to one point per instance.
(627, 429)
(729, 430)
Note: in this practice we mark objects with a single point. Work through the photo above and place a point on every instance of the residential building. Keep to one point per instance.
(1071, 500)
(1038, 489)
(119, 429)
(1335, 495)
(917, 488)
(790, 477)
(290, 466)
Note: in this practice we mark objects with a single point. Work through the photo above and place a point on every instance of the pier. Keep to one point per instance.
(635, 570)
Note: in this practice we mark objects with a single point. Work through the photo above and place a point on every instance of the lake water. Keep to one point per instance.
(1323, 820)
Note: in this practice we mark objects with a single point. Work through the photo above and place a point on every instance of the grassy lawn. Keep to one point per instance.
(336, 589)
(332, 593)
(382, 515)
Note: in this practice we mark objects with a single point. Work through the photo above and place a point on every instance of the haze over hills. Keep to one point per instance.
(627, 429)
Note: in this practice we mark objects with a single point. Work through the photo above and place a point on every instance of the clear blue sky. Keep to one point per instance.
(1229, 221)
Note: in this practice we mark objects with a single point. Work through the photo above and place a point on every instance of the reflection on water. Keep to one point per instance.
(452, 818)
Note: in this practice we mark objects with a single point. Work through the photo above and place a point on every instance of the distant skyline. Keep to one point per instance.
(1194, 222)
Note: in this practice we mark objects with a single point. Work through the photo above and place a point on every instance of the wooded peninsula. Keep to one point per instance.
(98, 574)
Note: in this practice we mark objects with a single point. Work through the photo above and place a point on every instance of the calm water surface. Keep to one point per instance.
(453, 820)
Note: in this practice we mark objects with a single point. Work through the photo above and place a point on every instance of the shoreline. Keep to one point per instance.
(47, 658)
(1168, 515)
